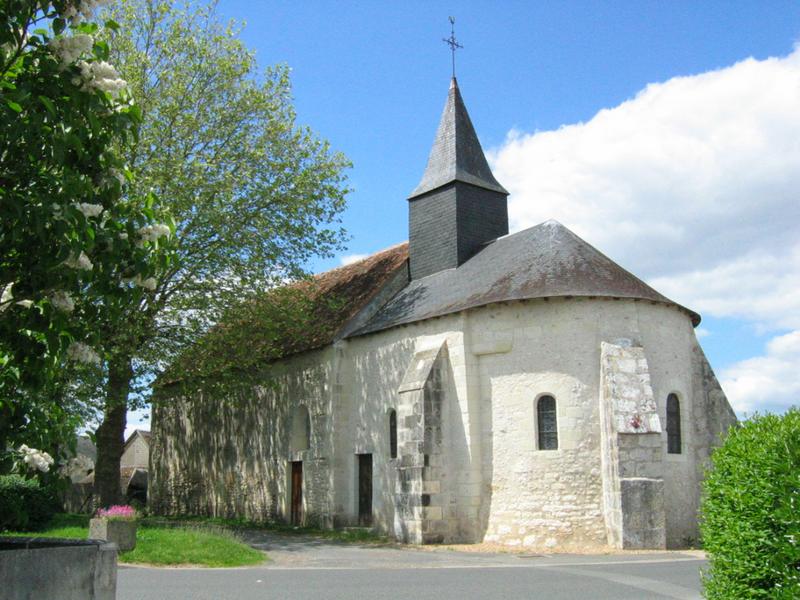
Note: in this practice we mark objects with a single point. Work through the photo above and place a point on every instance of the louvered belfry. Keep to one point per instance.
(459, 206)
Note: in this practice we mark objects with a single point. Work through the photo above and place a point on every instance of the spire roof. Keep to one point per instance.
(456, 154)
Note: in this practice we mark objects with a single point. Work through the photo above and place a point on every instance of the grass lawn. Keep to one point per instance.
(165, 545)
(354, 534)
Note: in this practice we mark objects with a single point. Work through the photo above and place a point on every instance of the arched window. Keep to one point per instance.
(300, 438)
(673, 424)
(546, 423)
(392, 433)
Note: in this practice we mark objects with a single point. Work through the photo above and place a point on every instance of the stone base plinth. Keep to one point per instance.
(120, 531)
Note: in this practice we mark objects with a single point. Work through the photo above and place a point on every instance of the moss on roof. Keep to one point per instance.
(299, 317)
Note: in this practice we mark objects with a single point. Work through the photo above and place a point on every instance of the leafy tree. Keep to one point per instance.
(253, 195)
(751, 511)
(72, 255)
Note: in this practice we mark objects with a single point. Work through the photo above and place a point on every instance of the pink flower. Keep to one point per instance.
(117, 512)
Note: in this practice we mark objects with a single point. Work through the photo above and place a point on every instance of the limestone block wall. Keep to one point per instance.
(229, 456)
(486, 477)
(373, 386)
(554, 498)
(630, 449)
(419, 496)
(533, 497)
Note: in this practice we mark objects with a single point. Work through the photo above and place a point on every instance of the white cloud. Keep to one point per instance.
(768, 382)
(688, 182)
(758, 286)
(349, 259)
(694, 185)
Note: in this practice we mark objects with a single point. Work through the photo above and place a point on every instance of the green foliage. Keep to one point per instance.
(167, 545)
(751, 511)
(25, 504)
(72, 254)
(253, 194)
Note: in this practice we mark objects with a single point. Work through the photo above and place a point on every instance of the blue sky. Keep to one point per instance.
(372, 77)
(667, 134)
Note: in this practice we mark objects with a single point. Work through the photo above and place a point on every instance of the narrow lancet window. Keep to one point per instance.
(393, 434)
(546, 423)
(673, 424)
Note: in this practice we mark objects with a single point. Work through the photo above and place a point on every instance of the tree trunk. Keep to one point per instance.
(111, 433)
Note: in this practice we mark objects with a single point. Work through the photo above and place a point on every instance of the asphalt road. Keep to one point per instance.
(314, 569)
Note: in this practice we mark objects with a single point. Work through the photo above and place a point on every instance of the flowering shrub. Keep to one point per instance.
(119, 511)
(36, 459)
(76, 247)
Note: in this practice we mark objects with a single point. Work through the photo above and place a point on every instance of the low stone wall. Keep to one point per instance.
(40, 568)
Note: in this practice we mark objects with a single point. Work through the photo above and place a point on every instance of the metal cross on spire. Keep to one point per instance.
(451, 41)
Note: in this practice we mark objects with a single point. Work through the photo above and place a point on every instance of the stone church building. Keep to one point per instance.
(473, 386)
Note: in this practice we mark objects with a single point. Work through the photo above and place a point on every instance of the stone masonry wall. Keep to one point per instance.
(228, 456)
(547, 499)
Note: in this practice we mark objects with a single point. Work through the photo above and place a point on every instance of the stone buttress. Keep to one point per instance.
(631, 450)
(418, 495)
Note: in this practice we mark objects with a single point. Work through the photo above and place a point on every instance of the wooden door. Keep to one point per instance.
(297, 493)
(365, 489)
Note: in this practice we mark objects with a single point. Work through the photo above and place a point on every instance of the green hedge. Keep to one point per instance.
(24, 504)
(751, 511)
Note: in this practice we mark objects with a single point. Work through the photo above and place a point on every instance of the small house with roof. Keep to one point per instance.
(469, 386)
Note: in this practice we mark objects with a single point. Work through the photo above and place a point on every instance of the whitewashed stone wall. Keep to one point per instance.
(493, 483)
(229, 456)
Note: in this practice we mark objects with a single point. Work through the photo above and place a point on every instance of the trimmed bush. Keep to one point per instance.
(24, 504)
(751, 511)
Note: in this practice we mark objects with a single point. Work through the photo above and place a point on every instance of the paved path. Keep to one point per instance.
(304, 568)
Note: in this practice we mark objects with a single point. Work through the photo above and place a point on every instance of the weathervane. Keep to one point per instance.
(451, 41)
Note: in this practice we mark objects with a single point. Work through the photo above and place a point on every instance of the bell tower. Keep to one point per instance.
(459, 206)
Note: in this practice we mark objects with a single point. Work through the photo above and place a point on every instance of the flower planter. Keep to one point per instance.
(120, 531)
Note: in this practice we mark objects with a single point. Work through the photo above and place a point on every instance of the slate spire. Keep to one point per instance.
(459, 206)
(456, 154)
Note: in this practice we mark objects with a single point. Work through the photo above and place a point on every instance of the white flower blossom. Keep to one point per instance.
(102, 76)
(81, 262)
(78, 10)
(62, 301)
(68, 49)
(89, 210)
(148, 284)
(150, 233)
(6, 297)
(123, 236)
(80, 352)
(36, 459)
